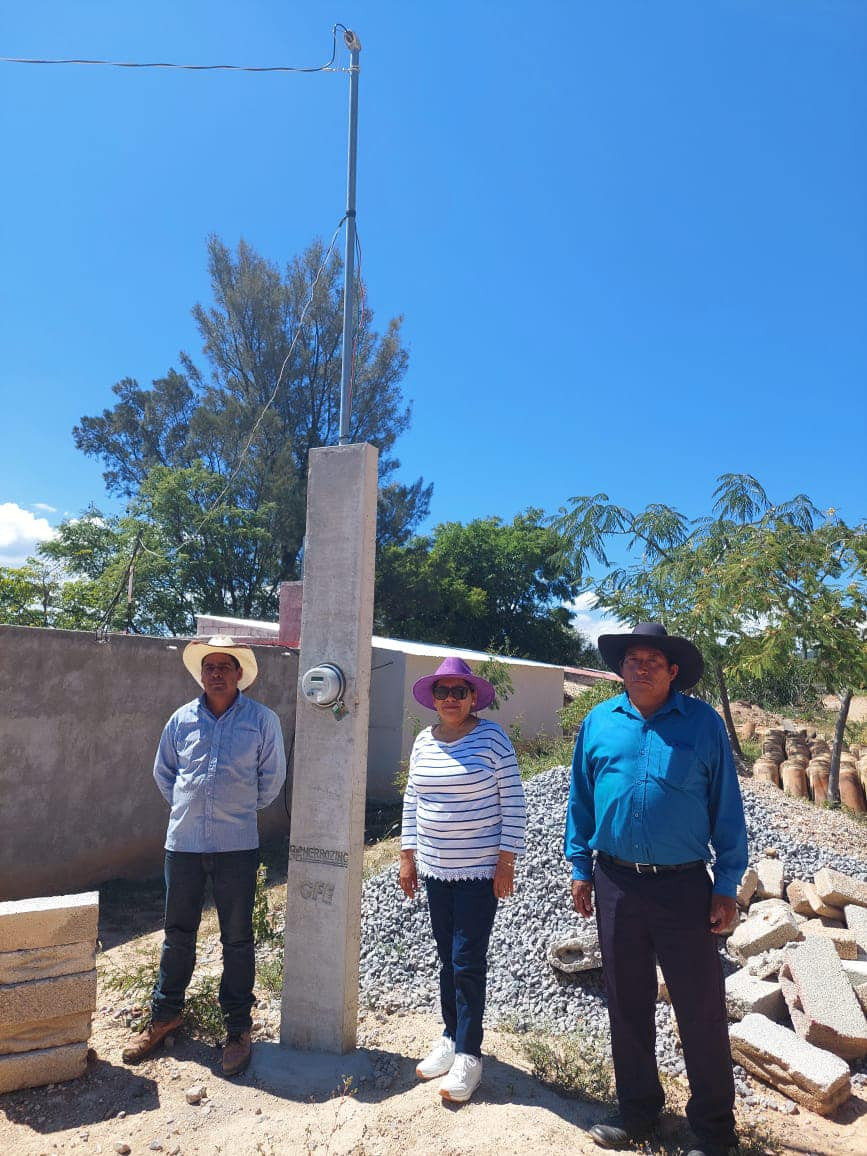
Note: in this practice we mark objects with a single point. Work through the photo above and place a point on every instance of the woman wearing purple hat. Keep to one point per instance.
(463, 825)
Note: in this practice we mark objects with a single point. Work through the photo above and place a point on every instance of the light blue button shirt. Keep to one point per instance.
(216, 773)
(656, 790)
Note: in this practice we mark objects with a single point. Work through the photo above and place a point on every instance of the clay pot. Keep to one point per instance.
(851, 791)
(794, 779)
(768, 770)
(818, 773)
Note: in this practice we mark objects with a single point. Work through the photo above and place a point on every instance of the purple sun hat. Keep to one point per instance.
(454, 667)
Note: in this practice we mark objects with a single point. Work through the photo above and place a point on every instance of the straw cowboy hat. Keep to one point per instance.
(688, 657)
(197, 651)
(422, 689)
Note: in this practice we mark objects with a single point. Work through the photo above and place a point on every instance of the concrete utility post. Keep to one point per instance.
(323, 895)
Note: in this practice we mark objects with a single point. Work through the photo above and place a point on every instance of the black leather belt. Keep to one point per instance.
(649, 868)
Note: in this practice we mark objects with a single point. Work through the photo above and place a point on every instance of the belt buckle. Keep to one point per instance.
(651, 869)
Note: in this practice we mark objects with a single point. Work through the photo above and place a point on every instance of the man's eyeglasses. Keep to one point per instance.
(441, 693)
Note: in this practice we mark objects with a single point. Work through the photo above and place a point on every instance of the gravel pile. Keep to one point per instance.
(399, 967)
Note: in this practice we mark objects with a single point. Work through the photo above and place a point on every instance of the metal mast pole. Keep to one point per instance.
(354, 45)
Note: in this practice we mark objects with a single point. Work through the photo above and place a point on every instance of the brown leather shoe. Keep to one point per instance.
(236, 1053)
(147, 1041)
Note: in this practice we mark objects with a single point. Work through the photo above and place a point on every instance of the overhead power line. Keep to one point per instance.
(327, 67)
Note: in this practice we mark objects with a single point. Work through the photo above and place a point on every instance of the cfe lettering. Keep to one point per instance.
(317, 891)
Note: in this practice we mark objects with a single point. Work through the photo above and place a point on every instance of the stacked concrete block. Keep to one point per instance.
(47, 988)
(819, 906)
(806, 1074)
(823, 1007)
(796, 893)
(838, 890)
(841, 937)
(746, 994)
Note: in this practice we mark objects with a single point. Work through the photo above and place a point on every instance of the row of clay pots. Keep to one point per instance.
(810, 781)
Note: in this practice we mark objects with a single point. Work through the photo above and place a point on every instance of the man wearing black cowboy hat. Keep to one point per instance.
(653, 784)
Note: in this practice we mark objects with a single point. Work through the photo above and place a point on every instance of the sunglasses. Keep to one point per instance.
(441, 693)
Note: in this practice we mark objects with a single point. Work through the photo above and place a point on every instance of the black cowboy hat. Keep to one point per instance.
(688, 657)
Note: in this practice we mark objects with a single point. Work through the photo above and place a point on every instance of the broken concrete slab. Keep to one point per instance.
(837, 889)
(579, 952)
(47, 998)
(46, 962)
(841, 937)
(821, 1002)
(746, 993)
(806, 1074)
(747, 887)
(53, 1033)
(767, 964)
(770, 879)
(767, 926)
(44, 922)
(43, 1066)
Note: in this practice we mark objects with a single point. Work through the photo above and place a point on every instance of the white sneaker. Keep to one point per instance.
(463, 1078)
(438, 1061)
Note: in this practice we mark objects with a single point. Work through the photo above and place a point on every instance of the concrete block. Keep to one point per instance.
(770, 882)
(821, 1002)
(747, 889)
(841, 937)
(45, 922)
(856, 921)
(796, 893)
(46, 962)
(804, 1073)
(766, 927)
(45, 1066)
(578, 952)
(746, 993)
(52, 1033)
(837, 889)
(43, 999)
(819, 906)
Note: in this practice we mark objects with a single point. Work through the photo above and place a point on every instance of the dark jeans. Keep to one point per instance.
(462, 914)
(233, 880)
(642, 918)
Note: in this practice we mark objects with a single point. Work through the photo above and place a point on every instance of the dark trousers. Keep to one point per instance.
(462, 914)
(642, 918)
(233, 879)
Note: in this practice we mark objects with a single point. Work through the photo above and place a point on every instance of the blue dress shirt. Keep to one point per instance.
(656, 790)
(215, 773)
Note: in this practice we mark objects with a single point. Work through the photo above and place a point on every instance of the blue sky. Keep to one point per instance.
(629, 240)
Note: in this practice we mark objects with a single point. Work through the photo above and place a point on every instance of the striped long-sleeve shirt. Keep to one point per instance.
(464, 803)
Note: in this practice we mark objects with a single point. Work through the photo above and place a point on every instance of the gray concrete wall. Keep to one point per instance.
(79, 725)
(385, 740)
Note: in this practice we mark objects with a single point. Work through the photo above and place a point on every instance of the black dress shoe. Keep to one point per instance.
(620, 1134)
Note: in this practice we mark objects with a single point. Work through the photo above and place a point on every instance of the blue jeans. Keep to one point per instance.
(233, 879)
(462, 914)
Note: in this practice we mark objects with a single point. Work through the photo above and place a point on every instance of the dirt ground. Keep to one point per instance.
(116, 1108)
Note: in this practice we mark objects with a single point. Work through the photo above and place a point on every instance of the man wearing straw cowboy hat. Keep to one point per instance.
(653, 784)
(220, 759)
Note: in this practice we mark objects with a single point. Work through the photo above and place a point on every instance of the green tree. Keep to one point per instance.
(214, 458)
(754, 583)
(485, 585)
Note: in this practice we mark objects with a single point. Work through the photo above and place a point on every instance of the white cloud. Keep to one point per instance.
(591, 622)
(20, 533)
(43, 506)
